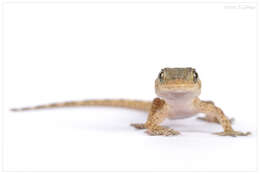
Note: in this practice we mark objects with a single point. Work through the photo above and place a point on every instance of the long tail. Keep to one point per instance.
(131, 104)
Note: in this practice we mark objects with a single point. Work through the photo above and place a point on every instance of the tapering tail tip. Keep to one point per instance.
(15, 110)
(18, 109)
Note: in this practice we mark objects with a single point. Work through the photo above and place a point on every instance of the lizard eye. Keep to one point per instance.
(161, 75)
(195, 76)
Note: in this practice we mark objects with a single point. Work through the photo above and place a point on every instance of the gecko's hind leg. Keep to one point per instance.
(212, 119)
(212, 110)
(138, 125)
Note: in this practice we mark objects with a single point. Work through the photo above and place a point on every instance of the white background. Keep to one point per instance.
(65, 51)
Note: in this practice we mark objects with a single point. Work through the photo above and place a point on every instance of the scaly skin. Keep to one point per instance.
(177, 90)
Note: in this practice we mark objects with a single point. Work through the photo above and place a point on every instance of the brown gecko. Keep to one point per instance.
(177, 90)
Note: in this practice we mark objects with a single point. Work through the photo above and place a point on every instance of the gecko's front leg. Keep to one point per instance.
(212, 118)
(157, 114)
(213, 111)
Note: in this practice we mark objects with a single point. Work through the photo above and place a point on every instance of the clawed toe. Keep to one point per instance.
(232, 120)
(138, 126)
(208, 119)
(232, 133)
(162, 131)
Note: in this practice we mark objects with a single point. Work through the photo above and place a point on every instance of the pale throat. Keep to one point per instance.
(178, 96)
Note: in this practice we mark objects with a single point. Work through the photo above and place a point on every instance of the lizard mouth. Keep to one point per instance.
(173, 91)
(177, 87)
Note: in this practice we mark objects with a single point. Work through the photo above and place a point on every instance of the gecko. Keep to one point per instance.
(177, 91)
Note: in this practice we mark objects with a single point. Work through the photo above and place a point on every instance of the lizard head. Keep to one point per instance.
(177, 80)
